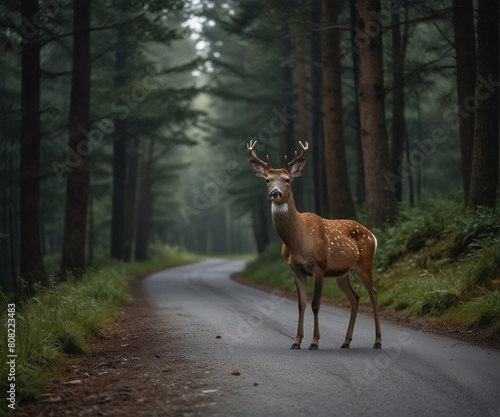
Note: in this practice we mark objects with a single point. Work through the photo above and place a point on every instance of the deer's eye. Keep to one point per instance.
(287, 180)
(268, 180)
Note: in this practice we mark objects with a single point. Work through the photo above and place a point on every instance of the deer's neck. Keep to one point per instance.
(287, 223)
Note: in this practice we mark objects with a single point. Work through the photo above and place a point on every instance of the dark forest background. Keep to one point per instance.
(123, 124)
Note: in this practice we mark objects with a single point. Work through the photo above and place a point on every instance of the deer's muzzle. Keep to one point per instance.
(275, 193)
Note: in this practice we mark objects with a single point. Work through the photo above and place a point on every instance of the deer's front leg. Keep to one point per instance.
(316, 301)
(301, 284)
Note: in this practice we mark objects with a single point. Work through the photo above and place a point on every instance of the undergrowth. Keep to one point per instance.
(437, 260)
(62, 319)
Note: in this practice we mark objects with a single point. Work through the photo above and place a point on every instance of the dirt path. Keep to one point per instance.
(125, 375)
(137, 369)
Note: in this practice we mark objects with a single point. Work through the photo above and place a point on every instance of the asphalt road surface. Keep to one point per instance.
(415, 374)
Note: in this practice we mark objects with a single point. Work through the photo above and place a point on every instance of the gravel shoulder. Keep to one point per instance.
(134, 369)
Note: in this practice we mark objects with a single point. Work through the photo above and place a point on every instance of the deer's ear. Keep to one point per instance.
(298, 168)
(258, 170)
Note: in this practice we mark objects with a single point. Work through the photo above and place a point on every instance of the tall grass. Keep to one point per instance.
(61, 320)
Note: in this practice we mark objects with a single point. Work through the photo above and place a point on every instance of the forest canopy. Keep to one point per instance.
(124, 124)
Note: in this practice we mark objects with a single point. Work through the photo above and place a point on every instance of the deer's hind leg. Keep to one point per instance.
(353, 297)
(365, 276)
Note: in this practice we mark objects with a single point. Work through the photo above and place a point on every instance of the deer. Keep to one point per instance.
(317, 247)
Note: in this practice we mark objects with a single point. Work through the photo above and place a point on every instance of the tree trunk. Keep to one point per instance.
(119, 156)
(32, 266)
(398, 105)
(337, 181)
(484, 174)
(91, 239)
(465, 51)
(288, 143)
(380, 201)
(260, 226)
(411, 193)
(144, 208)
(130, 202)
(317, 142)
(77, 187)
(12, 228)
(360, 174)
(299, 187)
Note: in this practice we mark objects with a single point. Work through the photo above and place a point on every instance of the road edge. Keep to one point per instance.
(451, 330)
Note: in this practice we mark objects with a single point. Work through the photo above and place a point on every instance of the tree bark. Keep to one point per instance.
(360, 174)
(130, 203)
(77, 187)
(119, 156)
(398, 105)
(380, 202)
(303, 118)
(31, 260)
(317, 142)
(484, 174)
(337, 181)
(91, 227)
(299, 187)
(465, 51)
(144, 208)
(260, 226)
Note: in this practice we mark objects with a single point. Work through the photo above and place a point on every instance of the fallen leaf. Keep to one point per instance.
(235, 372)
(55, 400)
(168, 369)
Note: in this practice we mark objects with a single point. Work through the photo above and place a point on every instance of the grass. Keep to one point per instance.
(60, 320)
(437, 261)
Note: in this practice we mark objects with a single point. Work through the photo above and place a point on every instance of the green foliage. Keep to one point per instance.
(484, 272)
(485, 311)
(269, 268)
(61, 320)
(416, 228)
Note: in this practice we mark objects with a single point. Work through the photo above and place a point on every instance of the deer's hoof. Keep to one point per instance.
(295, 346)
(377, 346)
(345, 346)
(313, 347)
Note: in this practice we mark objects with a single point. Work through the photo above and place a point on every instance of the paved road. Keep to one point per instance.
(415, 374)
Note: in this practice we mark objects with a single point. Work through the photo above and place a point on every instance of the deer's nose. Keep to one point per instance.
(276, 193)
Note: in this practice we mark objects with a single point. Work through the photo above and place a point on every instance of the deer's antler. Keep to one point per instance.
(305, 147)
(250, 147)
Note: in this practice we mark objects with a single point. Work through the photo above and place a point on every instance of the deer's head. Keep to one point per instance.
(278, 180)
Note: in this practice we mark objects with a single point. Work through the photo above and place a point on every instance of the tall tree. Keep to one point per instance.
(484, 173)
(465, 52)
(130, 201)
(119, 154)
(380, 202)
(78, 180)
(360, 175)
(317, 142)
(32, 266)
(145, 204)
(398, 101)
(337, 181)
